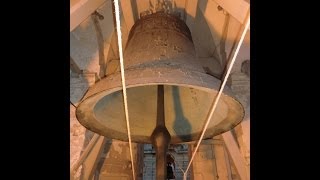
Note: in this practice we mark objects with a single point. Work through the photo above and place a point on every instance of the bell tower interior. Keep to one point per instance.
(176, 55)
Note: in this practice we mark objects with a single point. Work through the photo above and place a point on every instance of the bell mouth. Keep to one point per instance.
(186, 108)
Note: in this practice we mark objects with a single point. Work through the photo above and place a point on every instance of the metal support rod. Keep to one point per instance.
(160, 107)
(161, 138)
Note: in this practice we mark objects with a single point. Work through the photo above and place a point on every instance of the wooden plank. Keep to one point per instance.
(228, 163)
(245, 125)
(126, 7)
(85, 153)
(221, 162)
(90, 164)
(83, 156)
(203, 165)
(99, 34)
(73, 2)
(190, 13)
(235, 155)
(74, 67)
(237, 8)
(82, 10)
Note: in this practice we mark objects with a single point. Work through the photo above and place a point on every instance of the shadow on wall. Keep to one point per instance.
(181, 126)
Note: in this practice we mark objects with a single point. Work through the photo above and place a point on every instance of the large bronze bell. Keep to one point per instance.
(167, 88)
(159, 51)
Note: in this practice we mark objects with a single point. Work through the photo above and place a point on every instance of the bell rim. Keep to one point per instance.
(132, 82)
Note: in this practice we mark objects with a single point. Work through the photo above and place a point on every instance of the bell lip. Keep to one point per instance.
(179, 77)
(113, 84)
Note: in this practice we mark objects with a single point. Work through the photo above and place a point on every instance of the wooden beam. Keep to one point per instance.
(74, 67)
(81, 10)
(228, 163)
(190, 12)
(245, 126)
(126, 7)
(222, 169)
(237, 8)
(85, 153)
(102, 59)
(236, 155)
(90, 164)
